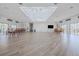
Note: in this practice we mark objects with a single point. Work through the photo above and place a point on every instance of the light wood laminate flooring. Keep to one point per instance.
(39, 44)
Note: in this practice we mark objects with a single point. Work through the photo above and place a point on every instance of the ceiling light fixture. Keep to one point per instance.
(60, 21)
(17, 21)
(68, 19)
(20, 3)
(71, 7)
(9, 19)
(78, 16)
(55, 3)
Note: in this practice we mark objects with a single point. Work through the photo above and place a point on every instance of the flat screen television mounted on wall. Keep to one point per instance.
(50, 26)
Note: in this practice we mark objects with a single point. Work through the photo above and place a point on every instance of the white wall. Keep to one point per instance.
(38, 26)
(42, 27)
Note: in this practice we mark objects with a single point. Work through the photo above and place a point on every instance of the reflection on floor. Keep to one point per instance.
(39, 44)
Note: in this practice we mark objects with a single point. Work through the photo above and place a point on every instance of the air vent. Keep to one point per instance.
(68, 19)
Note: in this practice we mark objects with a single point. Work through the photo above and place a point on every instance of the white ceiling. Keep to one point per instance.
(13, 11)
(38, 13)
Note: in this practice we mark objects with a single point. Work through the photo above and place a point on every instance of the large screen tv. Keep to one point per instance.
(50, 26)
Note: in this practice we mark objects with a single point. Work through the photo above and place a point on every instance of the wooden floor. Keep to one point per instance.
(39, 44)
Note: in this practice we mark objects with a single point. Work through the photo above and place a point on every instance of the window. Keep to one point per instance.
(3, 27)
